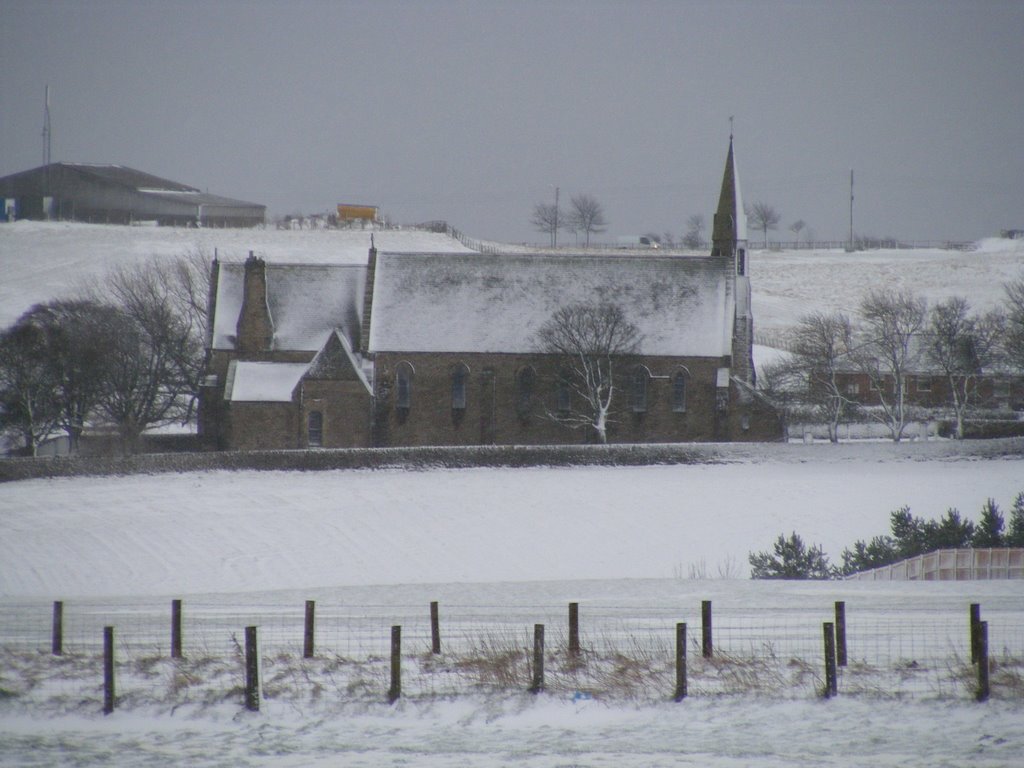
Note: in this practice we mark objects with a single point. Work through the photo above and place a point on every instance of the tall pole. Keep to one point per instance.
(46, 146)
(46, 129)
(554, 229)
(851, 209)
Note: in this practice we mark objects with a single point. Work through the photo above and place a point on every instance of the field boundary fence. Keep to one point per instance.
(83, 656)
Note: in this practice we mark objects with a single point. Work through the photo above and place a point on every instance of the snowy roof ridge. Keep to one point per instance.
(336, 357)
(487, 303)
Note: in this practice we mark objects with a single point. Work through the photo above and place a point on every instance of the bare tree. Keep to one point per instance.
(28, 392)
(797, 227)
(962, 346)
(156, 348)
(591, 342)
(886, 351)
(763, 217)
(547, 218)
(694, 237)
(77, 332)
(820, 346)
(586, 215)
(1014, 342)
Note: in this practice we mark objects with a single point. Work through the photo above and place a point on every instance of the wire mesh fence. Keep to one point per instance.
(622, 652)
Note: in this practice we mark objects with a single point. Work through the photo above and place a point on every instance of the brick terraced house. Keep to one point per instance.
(442, 348)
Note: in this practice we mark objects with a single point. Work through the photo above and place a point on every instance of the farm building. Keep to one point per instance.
(444, 348)
(115, 194)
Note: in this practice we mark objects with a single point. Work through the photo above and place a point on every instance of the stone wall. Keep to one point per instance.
(497, 411)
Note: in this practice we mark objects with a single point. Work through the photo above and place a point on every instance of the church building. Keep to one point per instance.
(445, 348)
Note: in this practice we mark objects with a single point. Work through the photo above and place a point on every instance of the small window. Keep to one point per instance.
(679, 392)
(459, 378)
(526, 381)
(315, 429)
(403, 386)
(853, 388)
(638, 391)
(924, 383)
(563, 402)
(1001, 388)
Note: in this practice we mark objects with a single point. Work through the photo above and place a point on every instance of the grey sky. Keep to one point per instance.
(473, 112)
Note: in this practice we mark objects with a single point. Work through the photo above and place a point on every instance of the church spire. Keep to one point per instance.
(729, 231)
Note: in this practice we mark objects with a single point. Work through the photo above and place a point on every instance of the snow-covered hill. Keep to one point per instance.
(41, 261)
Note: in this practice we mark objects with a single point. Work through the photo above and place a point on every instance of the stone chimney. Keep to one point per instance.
(255, 330)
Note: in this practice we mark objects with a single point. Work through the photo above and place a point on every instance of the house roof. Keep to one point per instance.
(491, 303)
(128, 177)
(262, 382)
(337, 362)
(138, 181)
(307, 303)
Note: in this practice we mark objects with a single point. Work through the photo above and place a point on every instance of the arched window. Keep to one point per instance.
(460, 377)
(403, 385)
(526, 382)
(315, 429)
(638, 389)
(679, 391)
(563, 398)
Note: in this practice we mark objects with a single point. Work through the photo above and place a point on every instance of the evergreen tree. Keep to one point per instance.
(864, 556)
(951, 532)
(791, 560)
(912, 534)
(1015, 537)
(989, 532)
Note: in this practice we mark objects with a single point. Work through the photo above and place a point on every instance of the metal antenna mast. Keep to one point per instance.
(46, 129)
(47, 136)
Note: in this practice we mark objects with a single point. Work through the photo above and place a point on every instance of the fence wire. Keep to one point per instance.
(624, 653)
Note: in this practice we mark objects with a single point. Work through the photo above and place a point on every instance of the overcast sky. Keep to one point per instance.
(475, 111)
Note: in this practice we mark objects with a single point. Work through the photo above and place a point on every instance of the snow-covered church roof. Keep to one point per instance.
(307, 303)
(497, 303)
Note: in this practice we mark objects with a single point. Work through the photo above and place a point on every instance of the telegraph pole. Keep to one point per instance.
(851, 209)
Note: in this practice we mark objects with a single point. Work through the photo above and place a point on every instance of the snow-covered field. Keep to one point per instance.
(42, 260)
(500, 549)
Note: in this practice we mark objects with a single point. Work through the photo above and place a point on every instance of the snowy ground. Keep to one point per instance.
(43, 260)
(499, 549)
(502, 549)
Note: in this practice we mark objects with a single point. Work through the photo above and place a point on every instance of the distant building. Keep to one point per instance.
(115, 194)
(349, 212)
(441, 348)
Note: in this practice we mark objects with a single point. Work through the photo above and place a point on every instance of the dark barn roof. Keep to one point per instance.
(119, 194)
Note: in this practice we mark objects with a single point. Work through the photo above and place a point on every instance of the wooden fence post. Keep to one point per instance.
(435, 628)
(395, 691)
(707, 646)
(680, 661)
(176, 629)
(830, 660)
(108, 670)
(983, 687)
(57, 636)
(308, 633)
(538, 659)
(975, 624)
(252, 671)
(574, 631)
(840, 633)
